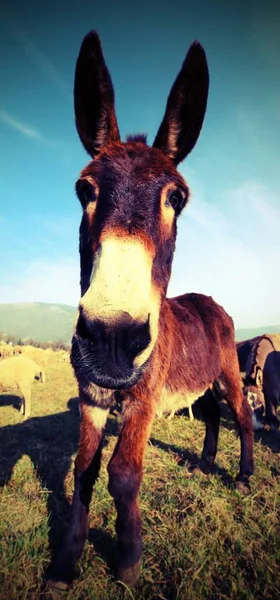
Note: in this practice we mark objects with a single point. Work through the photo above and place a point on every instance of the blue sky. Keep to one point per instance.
(228, 244)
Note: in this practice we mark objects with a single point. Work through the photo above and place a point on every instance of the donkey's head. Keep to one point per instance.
(131, 195)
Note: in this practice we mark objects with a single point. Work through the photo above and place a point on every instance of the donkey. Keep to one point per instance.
(243, 350)
(130, 341)
(262, 379)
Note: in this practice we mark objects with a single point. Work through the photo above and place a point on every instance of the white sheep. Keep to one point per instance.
(171, 403)
(40, 356)
(18, 373)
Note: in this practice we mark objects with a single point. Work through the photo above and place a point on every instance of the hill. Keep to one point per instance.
(245, 334)
(54, 322)
(38, 320)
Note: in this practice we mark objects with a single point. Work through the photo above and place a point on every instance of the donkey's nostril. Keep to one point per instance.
(126, 338)
(104, 352)
(83, 328)
(137, 338)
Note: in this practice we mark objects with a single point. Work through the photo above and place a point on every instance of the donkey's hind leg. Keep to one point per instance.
(211, 414)
(230, 378)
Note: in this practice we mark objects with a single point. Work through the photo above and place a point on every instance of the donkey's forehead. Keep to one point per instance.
(133, 160)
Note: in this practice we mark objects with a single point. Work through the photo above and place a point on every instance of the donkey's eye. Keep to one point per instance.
(86, 191)
(177, 200)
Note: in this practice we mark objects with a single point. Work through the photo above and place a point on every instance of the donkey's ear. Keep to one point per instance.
(185, 107)
(94, 97)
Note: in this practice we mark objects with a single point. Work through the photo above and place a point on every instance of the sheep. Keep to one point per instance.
(65, 357)
(6, 350)
(40, 356)
(18, 373)
(167, 407)
(17, 350)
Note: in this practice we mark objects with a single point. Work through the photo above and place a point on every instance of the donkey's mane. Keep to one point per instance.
(258, 355)
(137, 137)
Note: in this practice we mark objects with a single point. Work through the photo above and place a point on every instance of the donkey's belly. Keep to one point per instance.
(173, 401)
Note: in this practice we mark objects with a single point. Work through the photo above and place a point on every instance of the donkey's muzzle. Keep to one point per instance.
(103, 353)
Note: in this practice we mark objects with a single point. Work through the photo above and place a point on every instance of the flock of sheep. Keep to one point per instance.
(20, 366)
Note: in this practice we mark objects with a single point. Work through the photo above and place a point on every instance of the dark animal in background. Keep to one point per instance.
(243, 349)
(262, 378)
(129, 338)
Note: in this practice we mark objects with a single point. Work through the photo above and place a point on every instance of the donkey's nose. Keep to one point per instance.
(123, 339)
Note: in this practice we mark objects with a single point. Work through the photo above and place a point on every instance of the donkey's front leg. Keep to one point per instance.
(87, 467)
(125, 475)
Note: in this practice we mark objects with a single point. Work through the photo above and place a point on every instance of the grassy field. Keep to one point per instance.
(202, 540)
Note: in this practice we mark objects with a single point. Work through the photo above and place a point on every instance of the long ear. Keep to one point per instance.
(186, 106)
(94, 97)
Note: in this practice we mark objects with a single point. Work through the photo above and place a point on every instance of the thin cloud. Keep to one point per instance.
(20, 127)
(232, 254)
(27, 130)
(47, 68)
(38, 58)
(261, 204)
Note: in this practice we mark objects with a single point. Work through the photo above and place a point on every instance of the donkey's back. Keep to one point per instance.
(243, 350)
(199, 342)
(202, 335)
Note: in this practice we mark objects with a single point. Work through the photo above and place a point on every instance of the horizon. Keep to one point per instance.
(254, 326)
(228, 244)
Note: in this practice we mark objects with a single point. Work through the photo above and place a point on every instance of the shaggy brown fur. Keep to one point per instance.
(130, 341)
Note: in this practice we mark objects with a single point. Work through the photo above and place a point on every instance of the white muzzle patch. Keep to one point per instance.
(121, 283)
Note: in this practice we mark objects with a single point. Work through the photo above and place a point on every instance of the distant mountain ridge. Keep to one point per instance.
(40, 321)
(245, 334)
(46, 322)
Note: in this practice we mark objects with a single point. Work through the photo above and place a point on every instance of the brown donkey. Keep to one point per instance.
(129, 339)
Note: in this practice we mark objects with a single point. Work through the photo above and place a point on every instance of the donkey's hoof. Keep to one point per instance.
(130, 575)
(54, 590)
(201, 468)
(243, 487)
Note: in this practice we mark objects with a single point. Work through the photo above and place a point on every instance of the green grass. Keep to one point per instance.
(202, 540)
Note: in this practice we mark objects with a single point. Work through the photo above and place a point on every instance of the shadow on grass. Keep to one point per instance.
(268, 436)
(50, 442)
(10, 400)
(104, 545)
(191, 460)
